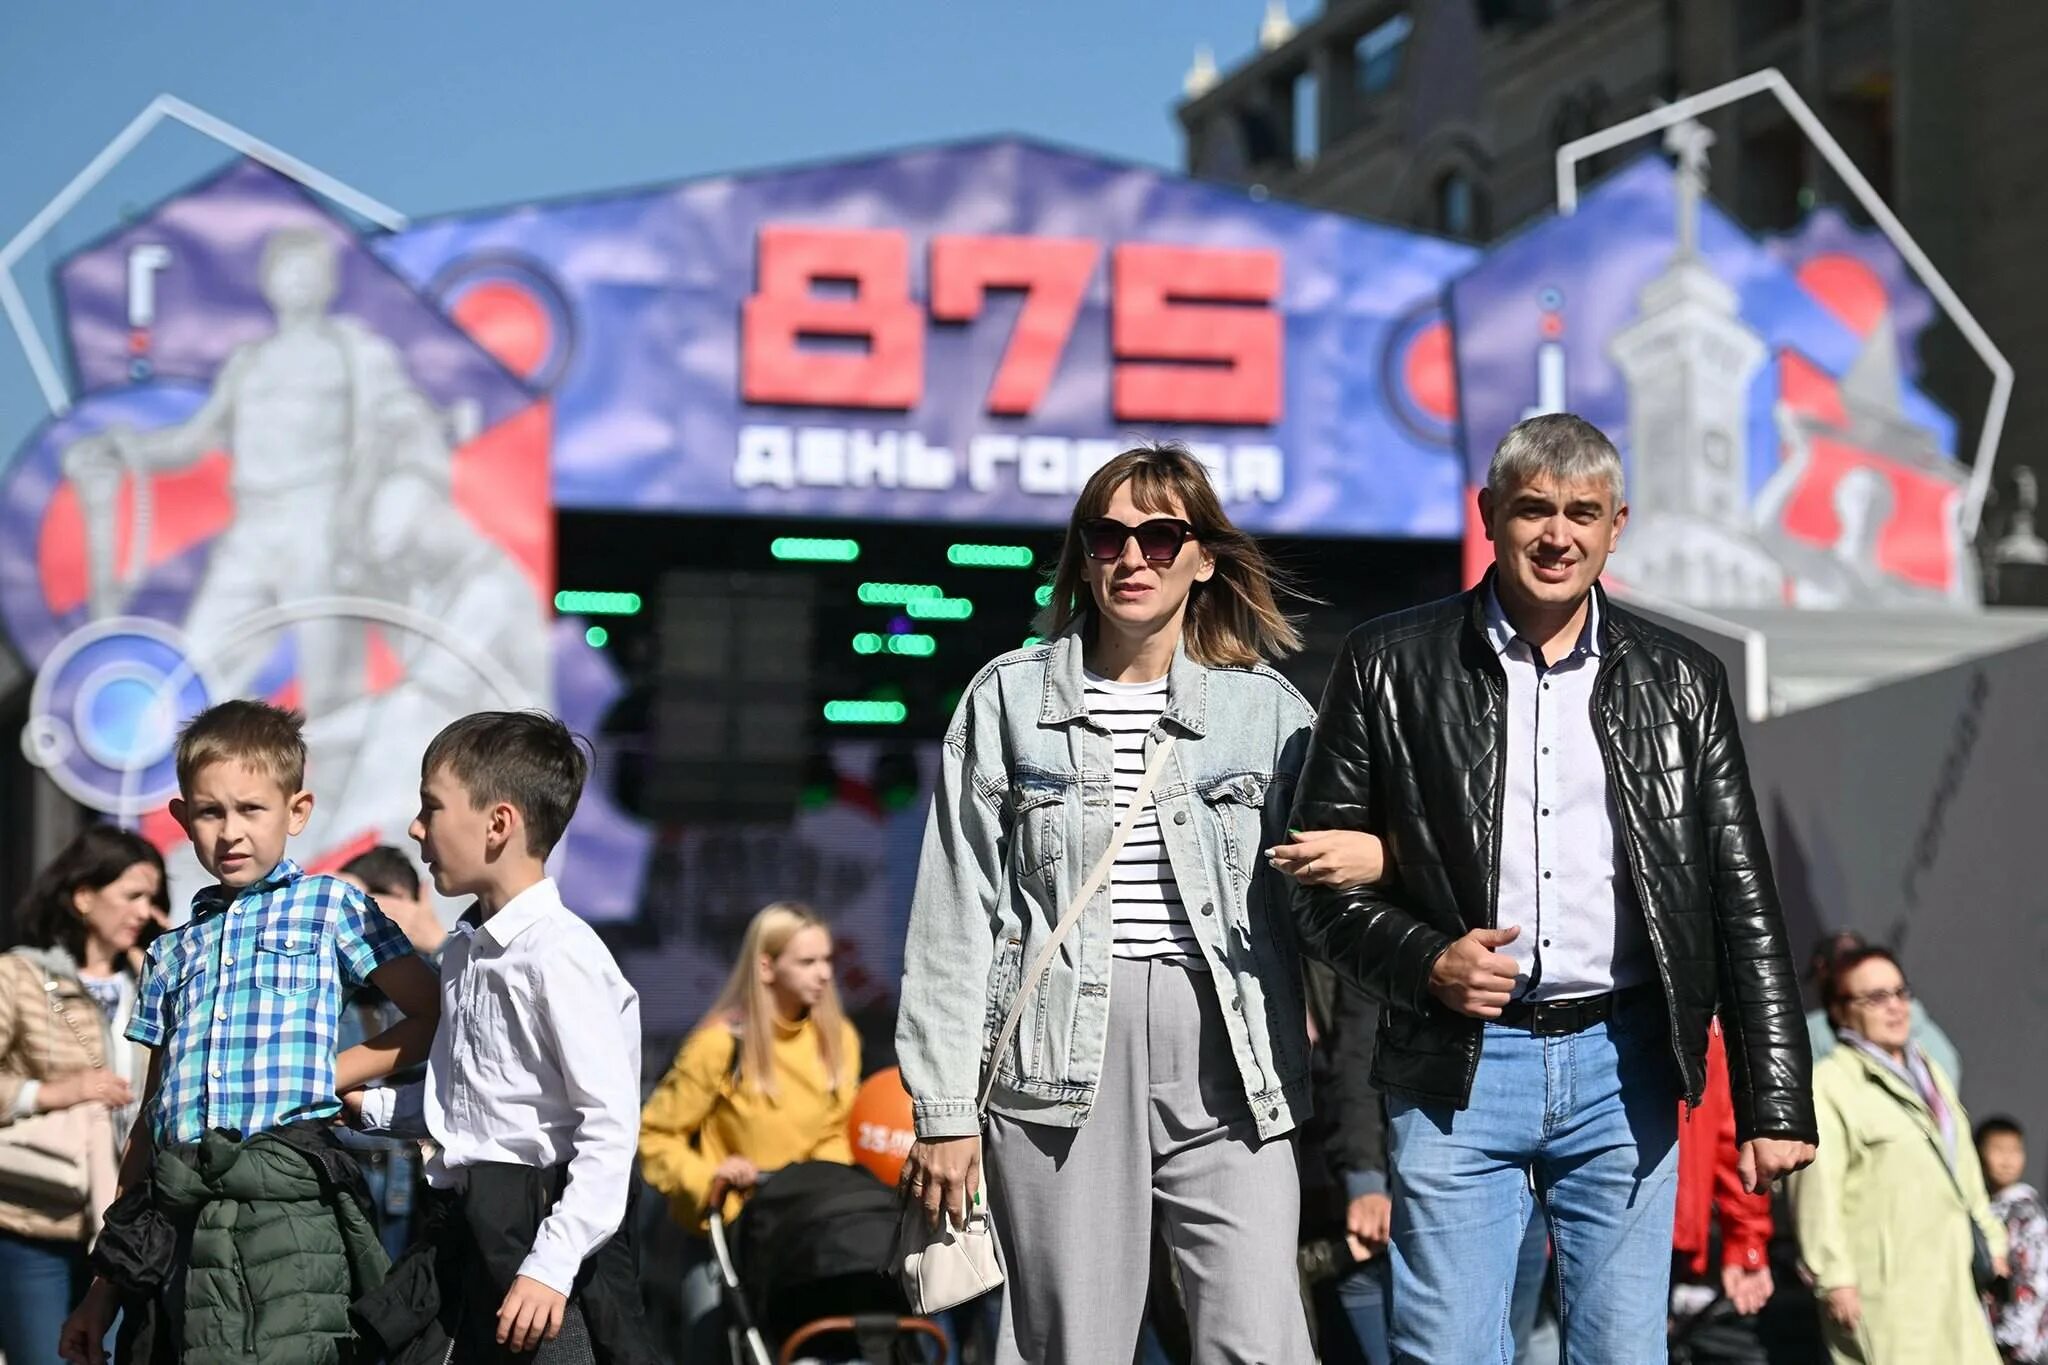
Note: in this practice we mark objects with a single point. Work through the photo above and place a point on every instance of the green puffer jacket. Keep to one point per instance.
(279, 1251)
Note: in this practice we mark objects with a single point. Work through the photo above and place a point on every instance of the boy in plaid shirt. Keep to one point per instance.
(240, 1006)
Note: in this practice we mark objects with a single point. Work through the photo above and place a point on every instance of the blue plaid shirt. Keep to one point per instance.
(246, 998)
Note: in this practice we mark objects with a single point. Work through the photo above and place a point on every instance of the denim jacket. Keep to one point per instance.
(1024, 809)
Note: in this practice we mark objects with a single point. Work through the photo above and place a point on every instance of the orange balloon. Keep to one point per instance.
(880, 1127)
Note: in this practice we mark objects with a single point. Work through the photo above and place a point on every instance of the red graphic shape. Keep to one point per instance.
(775, 367)
(193, 505)
(1053, 272)
(1186, 305)
(1847, 288)
(500, 482)
(381, 669)
(1915, 544)
(509, 322)
(160, 829)
(1430, 373)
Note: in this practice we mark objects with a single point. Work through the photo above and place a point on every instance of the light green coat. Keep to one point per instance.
(1880, 1209)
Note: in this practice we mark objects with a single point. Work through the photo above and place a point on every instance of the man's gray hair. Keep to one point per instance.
(1561, 445)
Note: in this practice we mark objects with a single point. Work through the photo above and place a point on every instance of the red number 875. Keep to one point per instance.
(1194, 330)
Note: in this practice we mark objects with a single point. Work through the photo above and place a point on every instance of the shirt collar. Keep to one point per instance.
(215, 899)
(517, 915)
(1500, 632)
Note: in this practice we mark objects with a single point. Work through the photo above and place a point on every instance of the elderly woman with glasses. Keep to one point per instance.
(1894, 1223)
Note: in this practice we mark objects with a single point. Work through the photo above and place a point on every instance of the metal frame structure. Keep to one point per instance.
(1770, 81)
(55, 392)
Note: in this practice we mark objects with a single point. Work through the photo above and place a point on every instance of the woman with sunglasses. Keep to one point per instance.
(1895, 1227)
(1160, 1062)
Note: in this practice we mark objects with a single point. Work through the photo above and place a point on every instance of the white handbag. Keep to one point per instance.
(942, 1269)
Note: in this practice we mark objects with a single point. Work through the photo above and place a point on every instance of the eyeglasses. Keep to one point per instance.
(1159, 539)
(1872, 999)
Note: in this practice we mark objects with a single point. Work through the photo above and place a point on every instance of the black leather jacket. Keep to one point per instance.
(1408, 745)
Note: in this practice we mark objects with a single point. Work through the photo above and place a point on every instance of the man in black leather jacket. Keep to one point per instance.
(1578, 883)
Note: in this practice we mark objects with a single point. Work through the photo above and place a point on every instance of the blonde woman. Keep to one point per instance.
(1161, 1062)
(765, 1081)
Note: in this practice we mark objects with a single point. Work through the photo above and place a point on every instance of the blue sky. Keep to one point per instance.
(456, 104)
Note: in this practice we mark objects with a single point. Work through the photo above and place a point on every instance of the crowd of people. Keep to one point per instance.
(1451, 1019)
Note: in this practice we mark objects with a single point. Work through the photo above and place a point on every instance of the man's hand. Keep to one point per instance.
(1369, 1224)
(1763, 1161)
(1473, 979)
(531, 1314)
(1331, 857)
(1749, 1290)
(83, 1340)
(943, 1173)
(1845, 1307)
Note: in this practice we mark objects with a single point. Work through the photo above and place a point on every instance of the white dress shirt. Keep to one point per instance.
(1560, 877)
(536, 1063)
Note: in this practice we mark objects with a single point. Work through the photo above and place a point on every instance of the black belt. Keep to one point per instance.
(1553, 1018)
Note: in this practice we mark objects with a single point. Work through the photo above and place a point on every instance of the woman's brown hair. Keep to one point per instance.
(1234, 619)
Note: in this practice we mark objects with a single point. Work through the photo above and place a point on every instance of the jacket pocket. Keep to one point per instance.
(1237, 806)
(1003, 975)
(1036, 804)
(288, 958)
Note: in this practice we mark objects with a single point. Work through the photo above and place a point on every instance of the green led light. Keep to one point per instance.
(915, 646)
(895, 594)
(815, 549)
(1044, 595)
(597, 637)
(939, 609)
(575, 602)
(1031, 640)
(989, 556)
(865, 712)
(867, 642)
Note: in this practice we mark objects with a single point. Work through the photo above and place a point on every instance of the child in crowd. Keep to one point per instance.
(2021, 1319)
(533, 1084)
(239, 1227)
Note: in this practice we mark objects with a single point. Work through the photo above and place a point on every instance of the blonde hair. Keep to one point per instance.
(747, 1007)
(1233, 620)
(256, 734)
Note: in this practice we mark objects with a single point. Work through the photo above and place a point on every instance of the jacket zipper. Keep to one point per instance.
(1635, 869)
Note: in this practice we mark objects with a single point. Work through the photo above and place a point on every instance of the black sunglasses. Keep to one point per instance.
(1159, 539)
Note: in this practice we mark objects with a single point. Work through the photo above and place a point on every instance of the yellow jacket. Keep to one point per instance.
(700, 1114)
(1880, 1209)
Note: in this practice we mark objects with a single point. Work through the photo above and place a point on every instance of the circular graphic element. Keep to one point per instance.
(1847, 288)
(105, 710)
(514, 309)
(1419, 375)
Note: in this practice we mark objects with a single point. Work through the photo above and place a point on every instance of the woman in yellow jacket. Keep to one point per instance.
(765, 1081)
(1887, 1210)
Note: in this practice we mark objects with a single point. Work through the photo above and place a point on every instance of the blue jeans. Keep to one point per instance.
(43, 1281)
(1593, 1117)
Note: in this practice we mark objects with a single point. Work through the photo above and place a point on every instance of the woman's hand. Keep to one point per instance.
(1845, 1307)
(943, 1173)
(78, 1087)
(736, 1173)
(1331, 857)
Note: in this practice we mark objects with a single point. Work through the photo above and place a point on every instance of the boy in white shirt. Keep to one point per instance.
(532, 1091)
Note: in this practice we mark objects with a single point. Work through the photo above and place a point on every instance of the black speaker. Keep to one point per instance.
(732, 701)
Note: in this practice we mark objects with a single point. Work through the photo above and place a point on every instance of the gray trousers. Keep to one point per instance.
(1170, 1139)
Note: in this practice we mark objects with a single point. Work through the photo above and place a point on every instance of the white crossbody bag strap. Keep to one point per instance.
(1139, 801)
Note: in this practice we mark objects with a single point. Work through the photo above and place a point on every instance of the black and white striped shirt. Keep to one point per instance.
(1151, 922)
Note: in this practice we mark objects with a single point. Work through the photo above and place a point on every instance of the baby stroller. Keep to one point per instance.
(807, 1267)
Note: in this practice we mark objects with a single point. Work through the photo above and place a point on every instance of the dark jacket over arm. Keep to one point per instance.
(1364, 932)
(1357, 1145)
